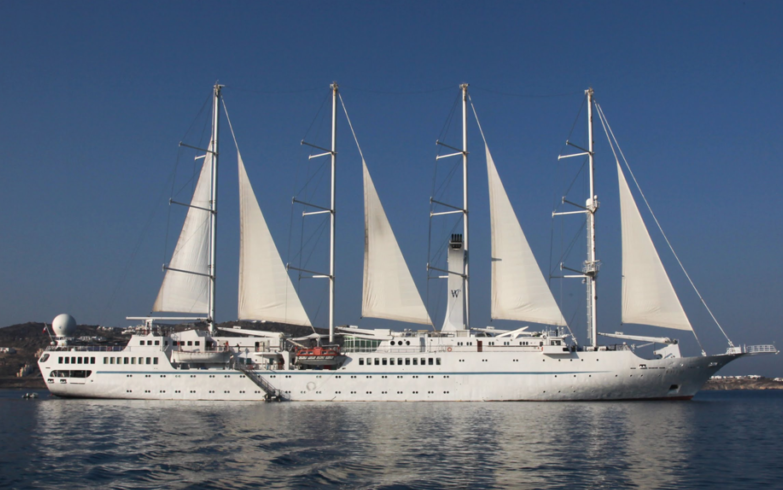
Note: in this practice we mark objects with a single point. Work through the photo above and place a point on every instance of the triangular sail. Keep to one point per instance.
(389, 291)
(185, 287)
(519, 290)
(265, 289)
(648, 294)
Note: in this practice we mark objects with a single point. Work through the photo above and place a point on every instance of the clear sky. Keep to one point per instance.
(98, 94)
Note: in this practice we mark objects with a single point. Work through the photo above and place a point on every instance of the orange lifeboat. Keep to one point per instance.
(319, 356)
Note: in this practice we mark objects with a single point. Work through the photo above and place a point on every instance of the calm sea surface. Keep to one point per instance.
(717, 440)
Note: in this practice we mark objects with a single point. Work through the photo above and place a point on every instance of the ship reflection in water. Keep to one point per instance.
(418, 445)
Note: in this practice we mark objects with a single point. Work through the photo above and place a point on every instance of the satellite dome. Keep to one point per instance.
(64, 325)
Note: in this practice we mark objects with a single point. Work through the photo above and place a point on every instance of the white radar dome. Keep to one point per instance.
(64, 325)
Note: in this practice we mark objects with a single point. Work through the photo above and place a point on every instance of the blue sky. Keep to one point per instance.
(97, 96)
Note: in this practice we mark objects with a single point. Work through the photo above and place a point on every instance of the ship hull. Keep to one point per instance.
(451, 376)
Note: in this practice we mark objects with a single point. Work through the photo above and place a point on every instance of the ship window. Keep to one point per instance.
(111, 360)
(141, 343)
(399, 361)
(156, 360)
(391, 361)
(392, 342)
(125, 361)
(430, 363)
(384, 361)
(437, 361)
(157, 342)
(149, 360)
(190, 342)
(105, 360)
(133, 360)
(92, 360)
(377, 362)
(361, 361)
(197, 343)
(415, 361)
(59, 360)
(67, 360)
(407, 342)
(407, 361)
(78, 360)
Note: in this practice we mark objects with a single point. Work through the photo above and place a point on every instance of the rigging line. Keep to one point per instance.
(342, 102)
(606, 126)
(525, 96)
(309, 128)
(273, 92)
(384, 92)
(477, 120)
(571, 245)
(230, 126)
(447, 123)
(136, 248)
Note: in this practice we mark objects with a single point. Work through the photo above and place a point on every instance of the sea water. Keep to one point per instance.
(717, 440)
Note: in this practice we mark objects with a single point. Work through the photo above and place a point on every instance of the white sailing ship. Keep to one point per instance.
(456, 363)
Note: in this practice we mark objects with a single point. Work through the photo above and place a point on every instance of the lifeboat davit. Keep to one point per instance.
(319, 356)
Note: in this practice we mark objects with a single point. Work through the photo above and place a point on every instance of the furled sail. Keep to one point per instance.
(519, 290)
(389, 290)
(185, 287)
(648, 294)
(265, 289)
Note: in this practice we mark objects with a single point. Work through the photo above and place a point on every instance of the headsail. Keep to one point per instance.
(389, 291)
(265, 289)
(185, 287)
(519, 290)
(648, 294)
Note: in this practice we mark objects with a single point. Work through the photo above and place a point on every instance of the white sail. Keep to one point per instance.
(519, 290)
(389, 291)
(265, 289)
(185, 287)
(648, 294)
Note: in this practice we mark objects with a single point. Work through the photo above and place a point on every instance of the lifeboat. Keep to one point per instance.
(319, 356)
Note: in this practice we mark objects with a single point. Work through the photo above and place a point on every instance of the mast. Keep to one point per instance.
(213, 207)
(464, 88)
(591, 264)
(333, 213)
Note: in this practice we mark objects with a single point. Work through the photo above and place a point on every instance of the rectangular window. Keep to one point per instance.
(383, 361)
(133, 360)
(190, 342)
(67, 360)
(111, 360)
(149, 360)
(197, 343)
(361, 361)
(423, 361)
(437, 361)
(125, 361)
(155, 359)
(407, 361)
(78, 360)
(415, 361)
(399, 361)
(92, 360)
(59, 360)
(106, 360)
(377, 362)
(141, 342)
(73, 360)
(391, 361)
(430, 363)
(157, 342)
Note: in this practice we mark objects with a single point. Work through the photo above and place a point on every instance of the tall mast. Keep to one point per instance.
(591, 264)
(213, 206)
(333, 213)
(464, 88)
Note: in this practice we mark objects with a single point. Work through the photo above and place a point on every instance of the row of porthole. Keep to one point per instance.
(399, 342)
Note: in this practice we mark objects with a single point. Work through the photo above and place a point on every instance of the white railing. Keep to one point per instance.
(761, 349)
